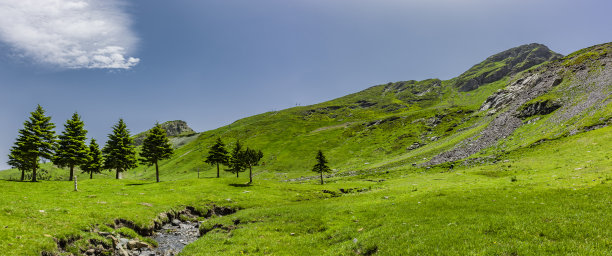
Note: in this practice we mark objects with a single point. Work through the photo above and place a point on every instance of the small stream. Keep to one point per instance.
(172, 238)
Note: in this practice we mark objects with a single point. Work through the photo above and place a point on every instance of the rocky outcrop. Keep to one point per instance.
(538, 108)
(512, 93)
(586, 85)
(173, 129)
(176, 128)
(503, 64)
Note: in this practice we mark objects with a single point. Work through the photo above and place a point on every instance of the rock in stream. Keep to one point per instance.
(172, 238)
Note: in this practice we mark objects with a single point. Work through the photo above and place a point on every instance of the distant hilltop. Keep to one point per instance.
(173, 129)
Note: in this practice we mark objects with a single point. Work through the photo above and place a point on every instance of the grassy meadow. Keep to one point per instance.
(546, 189)
(553, 198)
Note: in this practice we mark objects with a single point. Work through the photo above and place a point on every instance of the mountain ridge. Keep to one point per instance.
(411, 123)
(394, 124)
(505, 63)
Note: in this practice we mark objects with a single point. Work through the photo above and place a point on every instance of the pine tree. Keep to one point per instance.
(251, 158)
(72, 150)
(217, 155)
(321, 165)
(119, 152)
(236, 162)
(17, 162)
(36, 141)
(95, 161)
(156, 147)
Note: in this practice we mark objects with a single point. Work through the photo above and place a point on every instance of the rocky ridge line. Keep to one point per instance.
(510, 108)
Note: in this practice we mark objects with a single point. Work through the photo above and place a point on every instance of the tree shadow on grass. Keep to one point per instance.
(240, 185)
(138, 184)
(16, 180)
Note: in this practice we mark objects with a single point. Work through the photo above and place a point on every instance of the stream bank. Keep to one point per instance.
(181, 229)
(171, 232)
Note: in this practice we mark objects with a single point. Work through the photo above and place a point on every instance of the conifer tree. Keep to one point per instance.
(218, 155)
(236, 162)
(321, 165)
(17, 162)
(72, 150)
(36, 141)
(95, 161)
(156, 147)
(119, 152)
(251, 158)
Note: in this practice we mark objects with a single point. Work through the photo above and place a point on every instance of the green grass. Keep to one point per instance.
(545, 190)
(368, 128)
(559, 204)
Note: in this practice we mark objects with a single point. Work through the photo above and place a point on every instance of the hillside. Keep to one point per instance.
(516, 166)
(537, 96)
(410, 122)
(552, 198)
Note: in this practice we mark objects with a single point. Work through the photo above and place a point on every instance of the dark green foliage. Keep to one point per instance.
(72, 150)
(251, 158)
(95, 161)
(36, 141)
(16, 161)
(119, 151)
(156, 147)
(41, 174)
(321, 165)
(218, 155)
(236, 162)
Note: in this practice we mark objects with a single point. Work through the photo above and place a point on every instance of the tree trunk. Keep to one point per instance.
(22, 175)
(156, 171)
(250, 174)
(237, 172)
(217, 170)
(34, 174)
(117, 173)
(91, 175)
(321, 178)
(71, 172)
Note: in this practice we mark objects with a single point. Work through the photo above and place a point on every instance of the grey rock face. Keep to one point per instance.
(539, 108)
(173, 128)
(506, 107)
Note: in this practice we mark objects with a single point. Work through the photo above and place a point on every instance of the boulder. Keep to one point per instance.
(538, 108)
(135, 244)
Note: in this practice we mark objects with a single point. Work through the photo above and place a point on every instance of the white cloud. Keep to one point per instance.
(69, 33)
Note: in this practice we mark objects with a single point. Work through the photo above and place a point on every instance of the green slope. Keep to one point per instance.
(535, 179)
(552, 199)
(401, 123)
(411, 122)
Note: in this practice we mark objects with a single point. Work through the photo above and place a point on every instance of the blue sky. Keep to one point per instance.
(213, 62)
